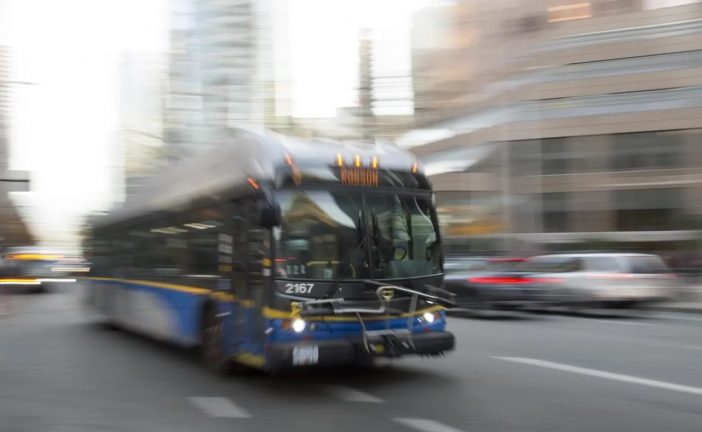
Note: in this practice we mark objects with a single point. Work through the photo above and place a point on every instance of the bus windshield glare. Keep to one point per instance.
(353, 234)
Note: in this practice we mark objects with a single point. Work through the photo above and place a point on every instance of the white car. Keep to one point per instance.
(604, 279)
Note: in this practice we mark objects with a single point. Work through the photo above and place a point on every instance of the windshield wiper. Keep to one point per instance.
(435, 249)
(350, 258)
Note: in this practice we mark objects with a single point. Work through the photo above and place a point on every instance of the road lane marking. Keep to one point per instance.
(678, 317)
(692, 347)
(604, 374)
(425, 425)
(606, 321)
(352, 395)
(219, 407)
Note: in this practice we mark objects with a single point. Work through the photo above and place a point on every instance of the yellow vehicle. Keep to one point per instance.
(32, 267)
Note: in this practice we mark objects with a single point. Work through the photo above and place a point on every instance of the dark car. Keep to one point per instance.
(491, 283)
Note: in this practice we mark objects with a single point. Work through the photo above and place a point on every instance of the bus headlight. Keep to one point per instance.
(299, 325)
(428, 317)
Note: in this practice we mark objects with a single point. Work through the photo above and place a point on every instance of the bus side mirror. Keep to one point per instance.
(270, 216)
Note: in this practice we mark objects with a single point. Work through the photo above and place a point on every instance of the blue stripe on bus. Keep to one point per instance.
(184, 307)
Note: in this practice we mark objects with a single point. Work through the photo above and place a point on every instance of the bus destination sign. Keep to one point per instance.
(350, 176)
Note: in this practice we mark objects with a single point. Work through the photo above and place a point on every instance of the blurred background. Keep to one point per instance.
(545, 125)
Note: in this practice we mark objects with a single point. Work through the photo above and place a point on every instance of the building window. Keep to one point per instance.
(556, 221)
(556, 212)
(563, 155)
(524, 158)
(645, 220)
(647, 150)
(555, 158)
(648, 209)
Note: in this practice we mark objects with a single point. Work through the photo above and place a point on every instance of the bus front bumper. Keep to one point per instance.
(345, 351)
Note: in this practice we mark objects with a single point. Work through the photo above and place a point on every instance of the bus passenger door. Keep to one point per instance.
(249, 249)
(239, 279)
(258, 241)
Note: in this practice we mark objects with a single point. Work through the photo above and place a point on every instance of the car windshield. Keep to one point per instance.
(482, 265)
(356, 235)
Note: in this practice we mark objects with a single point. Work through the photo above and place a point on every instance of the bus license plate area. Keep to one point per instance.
(305, 355)
(389, 344)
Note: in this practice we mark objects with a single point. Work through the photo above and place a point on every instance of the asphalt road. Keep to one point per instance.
(60, 370)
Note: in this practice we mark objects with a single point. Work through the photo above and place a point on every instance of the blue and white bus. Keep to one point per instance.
(276, 252)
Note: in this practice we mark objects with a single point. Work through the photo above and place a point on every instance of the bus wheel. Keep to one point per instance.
(212, 353)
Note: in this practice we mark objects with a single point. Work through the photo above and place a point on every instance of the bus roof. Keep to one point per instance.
(242, 154)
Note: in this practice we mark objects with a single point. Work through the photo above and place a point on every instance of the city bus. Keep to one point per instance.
(275, 252)
(33, 268)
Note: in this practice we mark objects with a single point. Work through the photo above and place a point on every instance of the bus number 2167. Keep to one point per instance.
(298, 288)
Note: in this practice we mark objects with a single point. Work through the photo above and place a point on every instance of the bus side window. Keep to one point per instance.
(203, 233)
(101, 254)
(155, 249)
(122, 258)
(140, 237)
(166, 248)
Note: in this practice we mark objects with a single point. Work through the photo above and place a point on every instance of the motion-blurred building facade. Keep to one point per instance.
(375, 114)
(13, 230)
(548, 123)
(175, 104)
(143, 80)
(219, 70)
(228, 67)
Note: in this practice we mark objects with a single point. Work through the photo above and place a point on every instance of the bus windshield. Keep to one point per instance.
(353, 234)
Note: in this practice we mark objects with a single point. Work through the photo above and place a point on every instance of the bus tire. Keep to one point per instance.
(211, 348)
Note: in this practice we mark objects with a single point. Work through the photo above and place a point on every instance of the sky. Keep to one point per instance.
(324, 64)
(64, 122)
